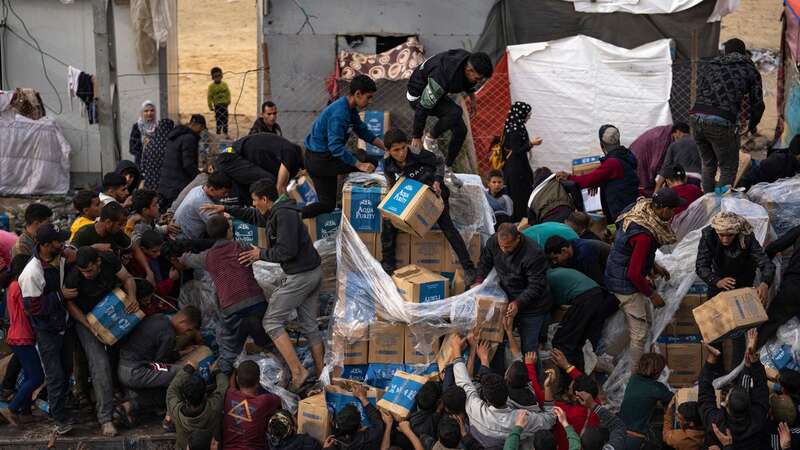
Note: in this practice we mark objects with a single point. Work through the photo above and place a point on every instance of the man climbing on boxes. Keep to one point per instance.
(426, 168)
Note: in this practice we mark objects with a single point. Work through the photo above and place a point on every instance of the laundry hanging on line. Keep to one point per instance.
(82, 85)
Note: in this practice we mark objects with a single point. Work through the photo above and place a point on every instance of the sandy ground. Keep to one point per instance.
(218, 33)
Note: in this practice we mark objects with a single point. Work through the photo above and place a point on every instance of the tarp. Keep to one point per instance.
(722, 8)
(512, 22)
(577, 84)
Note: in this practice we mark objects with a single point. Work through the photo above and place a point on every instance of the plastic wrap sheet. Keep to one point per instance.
(34, 156)
(699, 213)
(680, 263)
(782, 201)
(202, 295)
(269, 276)
(469, 208)
(327, 292)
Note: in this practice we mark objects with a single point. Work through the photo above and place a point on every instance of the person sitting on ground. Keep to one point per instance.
(682, 152)
(778, 164)
(190, 217)
(542, 232)
(588, 257)
(267, 122)
(106, 234)
(115, 189)
(728, 256)
(641, 395)
(616, 177)
(147, 359)
(87, 203)
(191, 409)
(676, 180)
(239, 297)
(549, 201)
(247, 410)
(36, 215)
(689, 434)
(579, 221)
(349, 433)
(282, 434)
(744, 414)
(298, 296)
(501, 203)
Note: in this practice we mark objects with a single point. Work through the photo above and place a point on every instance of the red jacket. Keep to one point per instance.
(20, 331)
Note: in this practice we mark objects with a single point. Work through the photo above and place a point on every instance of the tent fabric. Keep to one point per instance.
(722, 7)
(34, 156)
(512, 22)
(394, 64)
(577, 84)
(493, 102)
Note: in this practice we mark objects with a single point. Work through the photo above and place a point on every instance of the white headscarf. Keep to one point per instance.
(147, 127)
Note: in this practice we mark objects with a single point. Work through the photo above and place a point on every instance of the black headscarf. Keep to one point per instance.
(515, 122)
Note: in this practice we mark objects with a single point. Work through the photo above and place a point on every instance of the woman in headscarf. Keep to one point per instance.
(148, 143)
(727, 258)
(517, 169)
(143, 130)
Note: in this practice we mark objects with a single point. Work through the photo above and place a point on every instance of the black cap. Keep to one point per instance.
(48, 233)
(667, 198)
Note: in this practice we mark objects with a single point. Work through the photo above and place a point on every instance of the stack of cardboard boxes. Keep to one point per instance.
(360, 206)
(680, 342)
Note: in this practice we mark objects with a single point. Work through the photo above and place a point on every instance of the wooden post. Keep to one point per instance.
(105, 82)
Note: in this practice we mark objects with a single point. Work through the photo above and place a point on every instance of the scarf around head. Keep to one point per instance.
(515, 122)
(643, 215)
(147, 127)
(731, 223)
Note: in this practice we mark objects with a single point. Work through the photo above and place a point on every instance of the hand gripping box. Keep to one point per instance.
(109, 320)
(727, 312)
(412, 207)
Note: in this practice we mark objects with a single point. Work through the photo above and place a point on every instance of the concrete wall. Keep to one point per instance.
(299, 63)
(66, 31)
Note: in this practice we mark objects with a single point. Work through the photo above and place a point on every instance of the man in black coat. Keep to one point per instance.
(180, 161)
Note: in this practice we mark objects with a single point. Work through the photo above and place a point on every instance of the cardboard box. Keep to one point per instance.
(419, 285)
(412, 206)
(314, 418)
(386, 343)
(456, 280)
(428, 251)
(354, 353)
(489, 320)
(581, 166)
(685, 395)
(401, 393)
(373, 243)
(302, 191)
(337, 397)
(360, 206)
(412, 356)
(729, 311)
(108, 318)
(355, 306)
(683, 321)
(324, 225)
(380, 375)
(446, 355)
(451, 263)
(202, 358)
(249, 233)
(685, 361)
(377, 122)
(402, 249)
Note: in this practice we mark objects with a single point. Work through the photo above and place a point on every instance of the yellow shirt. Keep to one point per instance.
(79, 223)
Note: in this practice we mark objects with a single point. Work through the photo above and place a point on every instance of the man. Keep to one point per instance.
(40, 283)
(683, 151)
(147, 354)
(521, 269)
(268, 122)
(785, 305)
(584, 255)
(247, 410)
(640, 231)
(96, 275)
(36, 215)
(259, 156)
(107, 233)
(784, 163)
(115, 189)
(616, 177)
(451, 72)
(649, 149)
(722, 85)
(180, 161)
(291, 247)
(189, 215)
(327, 156)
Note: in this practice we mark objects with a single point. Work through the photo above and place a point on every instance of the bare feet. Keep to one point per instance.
(109, 430)
(298, 379)
(9, 416)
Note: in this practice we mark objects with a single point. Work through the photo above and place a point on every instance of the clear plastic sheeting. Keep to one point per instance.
(274, 377)
(680, 263)
(469, 208)
(782, 201)
(201, 293)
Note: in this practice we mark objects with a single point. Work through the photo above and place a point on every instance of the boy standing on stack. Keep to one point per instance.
(219, 97)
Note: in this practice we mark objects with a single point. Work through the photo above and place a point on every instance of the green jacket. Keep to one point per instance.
(218, 94)
(512, 441)
(208, 419)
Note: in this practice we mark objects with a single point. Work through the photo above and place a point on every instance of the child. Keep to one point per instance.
(676, 179)
(580, 221)
(247, 409)
(189, 407)
(426, 168)
(641, 395)
(349, 434)
(150, 245)
(690, 433)
(501, 203)
(87, 203)
(425, 419)
(219, 97)
(36, 215)
(115, 189)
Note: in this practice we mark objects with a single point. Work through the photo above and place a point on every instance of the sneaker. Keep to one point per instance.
(451, 179)
(430, 143)
(62, 428)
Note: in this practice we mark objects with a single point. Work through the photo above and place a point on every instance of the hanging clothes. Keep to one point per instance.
(85, 92)
(72, 83)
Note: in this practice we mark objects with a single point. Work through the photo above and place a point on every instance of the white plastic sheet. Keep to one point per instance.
(34, 156)
(579, 83)
(721, 9)
(782, 201)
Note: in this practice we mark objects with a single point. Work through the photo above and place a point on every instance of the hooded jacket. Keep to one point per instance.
(715, 261)
(180, 161)
(129, 166)
(366, 439)
(40, 284)
(723, 83)
(209, 418)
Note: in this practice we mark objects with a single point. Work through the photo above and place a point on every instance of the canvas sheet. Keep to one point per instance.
(577, 84)
(722, 8)
(34, 156)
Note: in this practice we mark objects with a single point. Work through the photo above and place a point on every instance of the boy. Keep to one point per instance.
(689, 434)
(247, 409)
(150, 245)
(580, 221)
(349, 434)
(219, 97)
(36, 215)
(189, 215)
(190, 408)
(106, 234)
(426, 168)
(115, 189)
(501, 203)
(87, 203)
(146, 213)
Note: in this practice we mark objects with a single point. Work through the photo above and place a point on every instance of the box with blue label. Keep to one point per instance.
(355, 306)
(360, 206)
(581, 166)
(412, 207)
(380, 375)
(324, 225)
(401, 394)
(419, 285)
(429, 251)
(249, 233)
(729, 312)
(386, 343)
(353, 353)
(414, 356)
(338, 397)
(201, 358)
(302, 191)
(378, 123)
(108, 319)
(314, 418)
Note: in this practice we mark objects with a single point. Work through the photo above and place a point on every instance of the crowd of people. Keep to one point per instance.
(162, 221)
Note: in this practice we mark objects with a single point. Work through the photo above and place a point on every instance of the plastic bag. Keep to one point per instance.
(269, 276)
(781, 200)
(274, 378)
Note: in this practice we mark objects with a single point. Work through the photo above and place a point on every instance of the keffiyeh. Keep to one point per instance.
(732, 223)
(642, 214)
(517, 116)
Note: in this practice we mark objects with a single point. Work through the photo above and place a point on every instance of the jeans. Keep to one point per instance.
(12, 373)
(100, 370)
(147, 386)
(450, 117)
(34, 376)
(583, 320)
(718, 144)
(297, 296)
(51, 346)
(529, 326)
(236, 328)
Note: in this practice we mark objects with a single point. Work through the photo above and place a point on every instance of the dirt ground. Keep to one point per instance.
(218, 33)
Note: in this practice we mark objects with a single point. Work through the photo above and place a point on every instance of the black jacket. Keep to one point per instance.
(779, 164)
(791, 274)
(715, 261)
(367, 439)
(296, 442)
(288, 241)
(260, 127)
(748, 432)
(180, 161)
(722, 84)
(424, 167)
(129, 166)
(268, 151)
(522, 274)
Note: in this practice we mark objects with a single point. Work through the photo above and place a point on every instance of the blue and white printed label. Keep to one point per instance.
(402, 196)
(375, 121)
(110, 313)
(328, 224)
(431, 291)
(244, 232)
(364, 215)
(402, 391)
